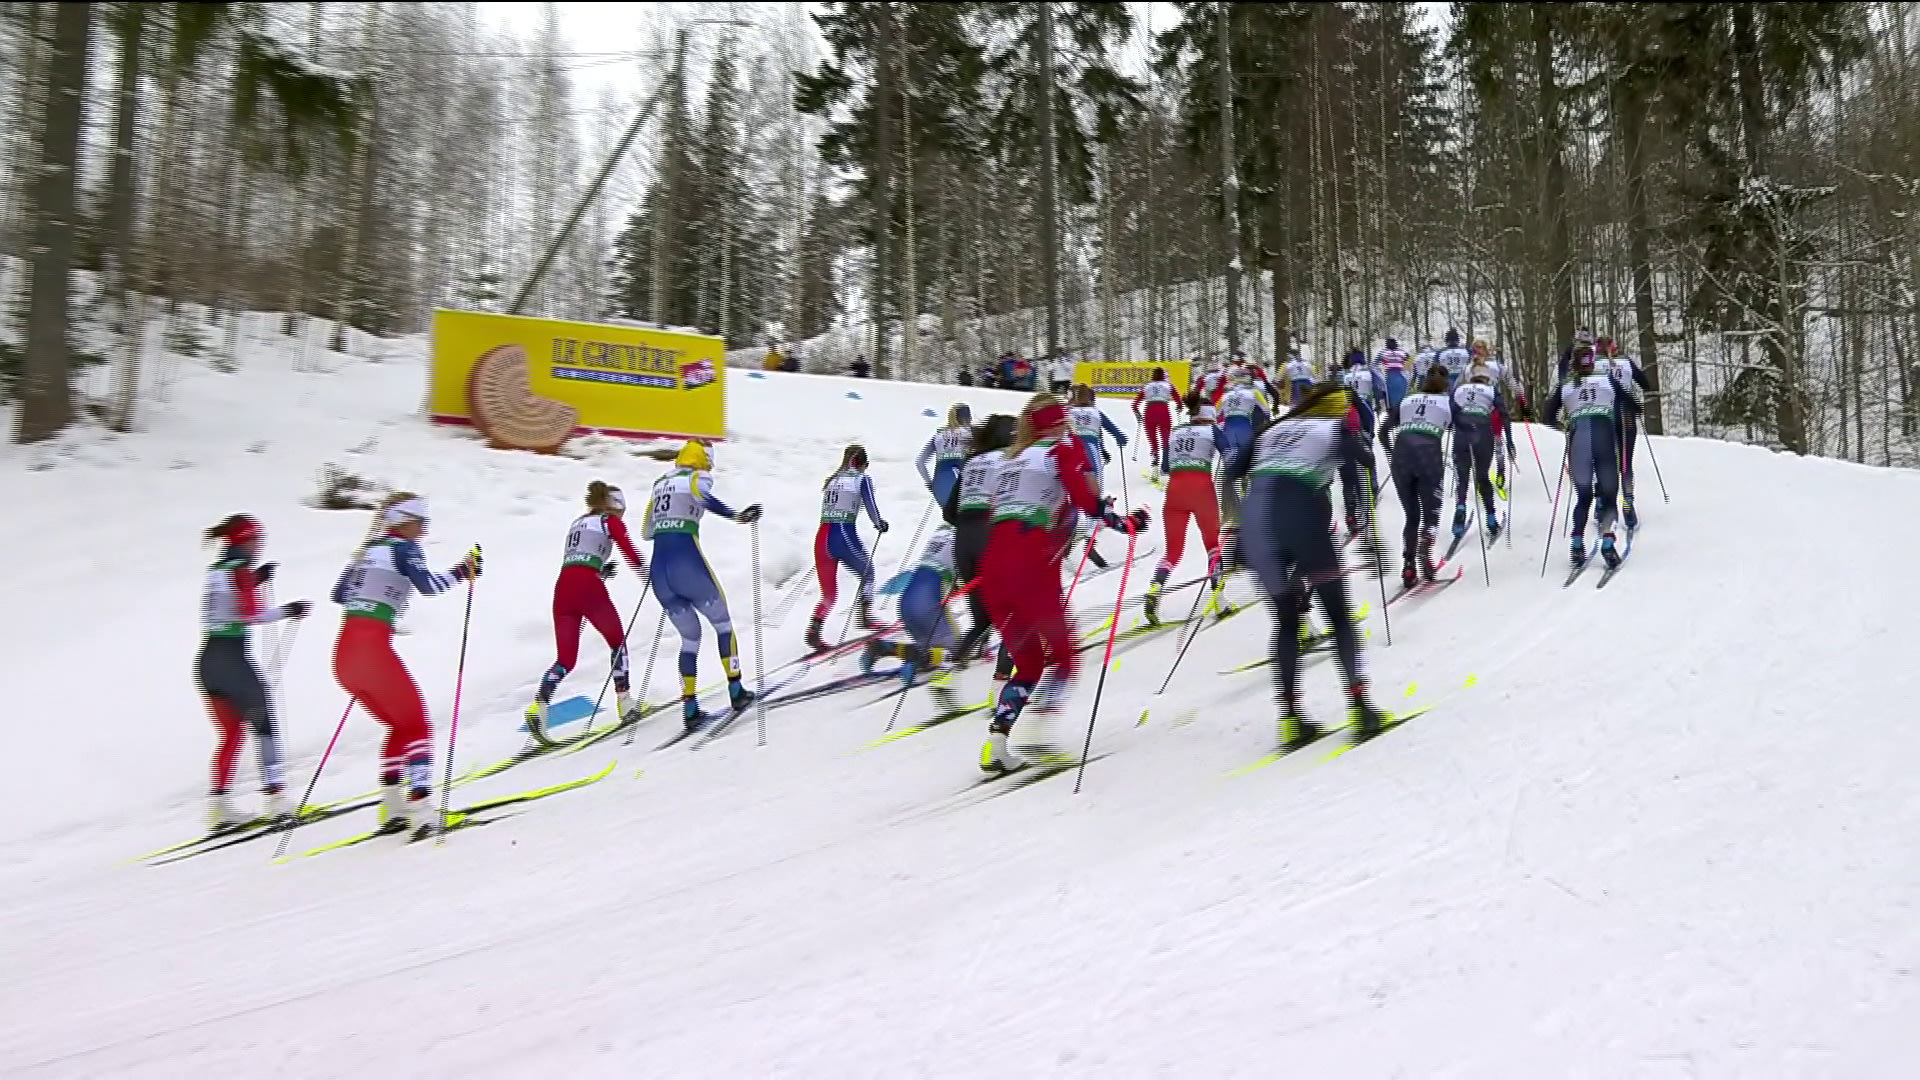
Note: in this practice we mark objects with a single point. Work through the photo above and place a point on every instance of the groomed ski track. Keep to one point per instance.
(1666, 831)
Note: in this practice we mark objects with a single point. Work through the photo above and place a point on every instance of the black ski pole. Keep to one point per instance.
(1113, 630)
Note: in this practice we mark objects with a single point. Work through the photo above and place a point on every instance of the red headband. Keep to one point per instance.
(1048, 416)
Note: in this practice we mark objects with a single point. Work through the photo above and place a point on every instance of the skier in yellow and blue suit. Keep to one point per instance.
(681, 578)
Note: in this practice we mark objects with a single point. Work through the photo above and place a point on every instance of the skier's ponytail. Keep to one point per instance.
(597, 495)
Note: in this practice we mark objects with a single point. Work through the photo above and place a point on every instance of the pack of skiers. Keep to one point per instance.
(1248, 461)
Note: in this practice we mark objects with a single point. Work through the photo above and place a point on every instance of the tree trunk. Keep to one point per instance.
(1049, 239)
(359, 201)
(1631, 117)
(116, 224)
(1281, 268)
(46, 399)
(1554, 191)
(1790, 417)
(1229, 174)
(882, 174)
(666, 188)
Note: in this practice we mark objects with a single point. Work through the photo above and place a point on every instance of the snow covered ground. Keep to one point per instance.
(1660, 830)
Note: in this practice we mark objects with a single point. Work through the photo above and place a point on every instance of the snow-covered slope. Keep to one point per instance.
(1657, 830)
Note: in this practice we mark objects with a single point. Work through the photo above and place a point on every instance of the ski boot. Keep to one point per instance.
(421, 815)
(1296, 731)
(221, 816)
(1428, 570)
(1150, 605)
(814, 640)
(995, 758)
(537, 721)
(1493, 526)
(1579, 551)
(863, 613)
(1608, 552)
(1409, 573)
(273, 807)
(393, 809)
(1367, 720)
(690, 717)
(739, 696)
(1499, 476)
(873, 653)
(1626, 507)
(1459, 520)
(624, 708)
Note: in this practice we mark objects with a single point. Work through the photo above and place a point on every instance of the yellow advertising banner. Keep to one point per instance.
(616, 380)
(1124, 378)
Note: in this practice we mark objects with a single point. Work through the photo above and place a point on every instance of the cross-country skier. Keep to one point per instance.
(1582, 339)
(969, 510)
(946, 449)
(1157, 396)
(1629, 381)
(1299, 377)
(682, 581)
(1392, 364)
(1241, 411)
(1593, 456)
(1212, 382)
(1190, 496)
(1454, 358)
(837, 544)
(923, 612)
(580, 594)
(235, 694)
(1288, 532)
(1090, 424)
(1477, 411)
(375, 589)
(1419, 469)
(1043, 483)
(1368, 392)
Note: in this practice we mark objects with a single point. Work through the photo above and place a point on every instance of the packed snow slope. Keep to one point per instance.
(1663, 829)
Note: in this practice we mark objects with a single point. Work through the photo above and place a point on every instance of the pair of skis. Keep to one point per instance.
(1607, 575)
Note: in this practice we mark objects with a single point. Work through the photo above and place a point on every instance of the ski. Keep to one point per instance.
(770, 698)
(1320, 642)
(1325, 733)
(1453, 548)
(256, 829)
(1615, 568)
(939, 718)
(472, 814)
(1427, 588)
(1576, 572)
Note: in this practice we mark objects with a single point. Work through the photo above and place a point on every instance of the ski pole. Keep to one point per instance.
(608, 681)
(1380, 561)
(1113, 630)
(646, 679)
(759, 649)
(1553, 517)
(453, 726)
(301, 810)
(1479, 526)
(1188, 633)
(1537, 463)
(1651, 456)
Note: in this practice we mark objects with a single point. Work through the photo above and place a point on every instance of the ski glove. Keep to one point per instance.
(264, 573)
(748, 515)
(296, 609)
(611, 568)
(469, 567)
(882, 526)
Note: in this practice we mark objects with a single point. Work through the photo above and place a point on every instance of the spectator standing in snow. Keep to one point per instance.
(860, 369)
(1060, 374)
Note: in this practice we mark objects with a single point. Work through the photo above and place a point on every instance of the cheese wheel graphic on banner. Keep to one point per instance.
(501, 401)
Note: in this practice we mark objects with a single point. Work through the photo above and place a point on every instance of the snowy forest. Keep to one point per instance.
(1727, 190)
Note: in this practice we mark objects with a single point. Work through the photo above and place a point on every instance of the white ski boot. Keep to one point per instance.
(393, 810)
(221, 816)
(995, 758)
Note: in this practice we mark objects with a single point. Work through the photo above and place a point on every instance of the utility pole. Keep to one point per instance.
(1229, 175)
(600, 181)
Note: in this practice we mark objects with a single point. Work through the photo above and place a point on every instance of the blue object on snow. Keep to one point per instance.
(853, 395)
(929, 412)
(756, 374)
(562, 713)
(896, 584)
